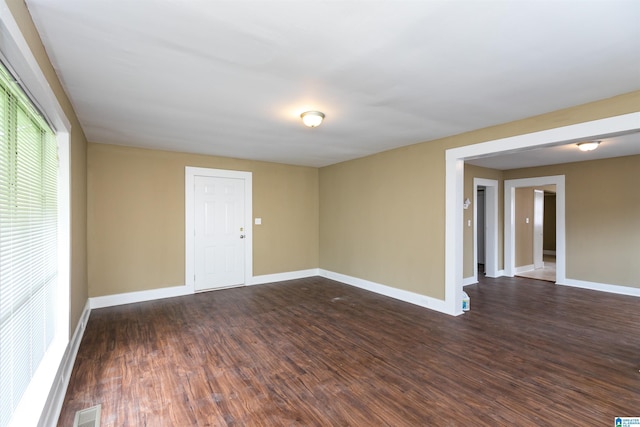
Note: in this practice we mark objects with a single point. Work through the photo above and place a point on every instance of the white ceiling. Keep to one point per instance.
(615, 146)
(231, 78)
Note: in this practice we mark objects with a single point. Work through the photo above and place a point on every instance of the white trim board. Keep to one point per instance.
(139, 296)
(399, 294)
(281, 277)
(524, 269)
(53, 406)
(175, 291)
(471, 280)
(602, 287)
(178, 291)
(454, 183)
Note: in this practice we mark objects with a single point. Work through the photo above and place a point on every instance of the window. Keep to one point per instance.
(28, 243)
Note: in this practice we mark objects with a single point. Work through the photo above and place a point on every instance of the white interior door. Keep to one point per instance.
(219, 232)
(538, 219)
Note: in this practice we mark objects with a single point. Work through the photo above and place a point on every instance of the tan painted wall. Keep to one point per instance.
(382, 216)
(136, 217)
(524, 229)
(602, 218)
(471, 172)
(78, 272)
(377, 216)
(549, 223)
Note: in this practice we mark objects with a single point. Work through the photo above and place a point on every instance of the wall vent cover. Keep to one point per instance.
(89, 417)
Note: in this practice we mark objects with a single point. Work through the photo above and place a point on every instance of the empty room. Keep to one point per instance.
(319, 213)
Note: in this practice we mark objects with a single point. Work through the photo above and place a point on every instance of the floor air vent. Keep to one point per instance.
(89, 417)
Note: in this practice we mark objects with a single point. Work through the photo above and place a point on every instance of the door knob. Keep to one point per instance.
(242, 236)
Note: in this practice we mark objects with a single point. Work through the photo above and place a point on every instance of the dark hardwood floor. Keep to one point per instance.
(314, 352)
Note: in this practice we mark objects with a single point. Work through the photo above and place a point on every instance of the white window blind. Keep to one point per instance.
(28, 242)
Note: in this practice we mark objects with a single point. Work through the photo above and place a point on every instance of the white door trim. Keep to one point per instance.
(491, 221)
(454, 184)
(510, 186)
(190, 174)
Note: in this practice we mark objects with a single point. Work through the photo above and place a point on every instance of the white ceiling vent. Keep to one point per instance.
(89, 417)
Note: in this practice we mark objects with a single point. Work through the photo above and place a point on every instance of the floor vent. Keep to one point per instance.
(89, 417)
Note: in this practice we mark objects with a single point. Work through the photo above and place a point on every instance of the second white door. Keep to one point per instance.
(538, 219)
(219, 235)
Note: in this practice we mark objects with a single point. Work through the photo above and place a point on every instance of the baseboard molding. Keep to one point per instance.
(51, 411)
(549, 252)
(524, 268)
(603, 287)
(178, 291)
(139, 296)
(399, 294)
(471, 280)
(280, 277)
(499, 273)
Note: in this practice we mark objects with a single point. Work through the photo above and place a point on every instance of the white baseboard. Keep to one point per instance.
(524, 268)
(549, 252)
(280, 277)
(178, 291)
(499, 273)
(471, 280)
(51, 411)
(399, 294)
(139, 296)
(603, 287)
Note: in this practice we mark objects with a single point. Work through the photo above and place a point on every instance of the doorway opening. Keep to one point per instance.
(485, 218)
(480, 231)
(454, 185)
(515, 223)
(534, 229)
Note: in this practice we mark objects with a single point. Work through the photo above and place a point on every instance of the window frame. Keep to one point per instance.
(42, 398)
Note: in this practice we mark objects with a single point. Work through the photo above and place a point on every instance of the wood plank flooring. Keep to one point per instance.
(315, 352)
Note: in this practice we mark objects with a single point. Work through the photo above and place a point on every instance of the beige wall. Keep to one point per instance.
(471, 172)
(377, 216)
(602, 218)
(523, 216)
(382, 216)
(136, 217)
(78, 272)
(549, 223)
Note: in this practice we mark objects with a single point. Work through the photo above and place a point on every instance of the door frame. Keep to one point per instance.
(491, 231)
(510, 186)
(189, 215)
(454, 184)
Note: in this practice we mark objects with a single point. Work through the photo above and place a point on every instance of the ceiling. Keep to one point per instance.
(615, 146)
(230, 78)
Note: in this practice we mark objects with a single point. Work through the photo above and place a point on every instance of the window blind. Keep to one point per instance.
(28, 242)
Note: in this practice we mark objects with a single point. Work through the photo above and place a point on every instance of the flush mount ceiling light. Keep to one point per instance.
(588, 146)
(312, 118)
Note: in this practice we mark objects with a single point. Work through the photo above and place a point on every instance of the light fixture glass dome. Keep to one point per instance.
(588, 146)
(312, 118)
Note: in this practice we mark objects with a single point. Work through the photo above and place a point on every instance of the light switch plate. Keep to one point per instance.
(258, 221)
